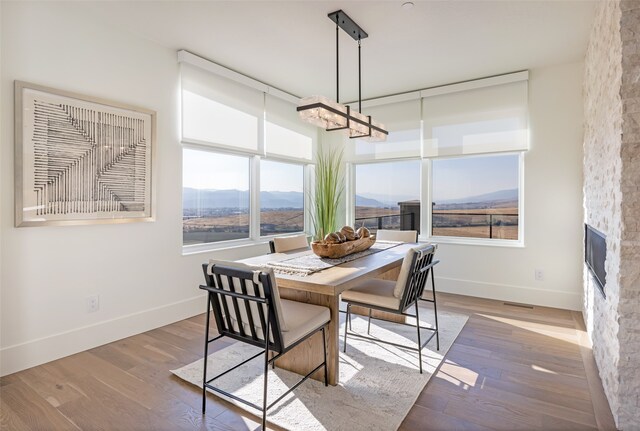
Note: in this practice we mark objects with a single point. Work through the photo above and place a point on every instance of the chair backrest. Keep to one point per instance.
(397, 235)
(282, 244)
(245, 302)
(412, 278)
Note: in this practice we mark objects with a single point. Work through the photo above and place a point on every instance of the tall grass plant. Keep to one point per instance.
(328, 191)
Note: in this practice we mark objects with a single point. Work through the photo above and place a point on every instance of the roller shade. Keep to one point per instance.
(402, 120)
(220, 112)
(481, 120)
(287, 136)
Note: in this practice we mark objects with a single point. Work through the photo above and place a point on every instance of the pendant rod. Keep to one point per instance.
(337, 64)
(359, 79)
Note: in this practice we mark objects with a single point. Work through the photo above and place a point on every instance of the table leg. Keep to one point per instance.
(307, 355)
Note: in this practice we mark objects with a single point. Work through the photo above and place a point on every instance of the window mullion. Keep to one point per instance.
(254, 200)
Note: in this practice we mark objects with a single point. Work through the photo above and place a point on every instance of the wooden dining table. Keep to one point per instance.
(324, 288)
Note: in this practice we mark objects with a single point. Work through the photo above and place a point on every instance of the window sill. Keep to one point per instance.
(188, 250)
(474, 241)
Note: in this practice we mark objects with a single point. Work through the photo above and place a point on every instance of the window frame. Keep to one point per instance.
(304, 195)
(255, 237)
(426, 219)
(351, 184)
(426, 193)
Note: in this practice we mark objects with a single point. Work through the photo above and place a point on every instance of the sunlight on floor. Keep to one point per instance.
(465, 378)
(568, 335)
(544, 370)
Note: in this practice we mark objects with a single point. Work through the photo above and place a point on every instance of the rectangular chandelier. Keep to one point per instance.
(324, 112)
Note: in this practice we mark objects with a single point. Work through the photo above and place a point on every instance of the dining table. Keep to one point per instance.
(324, 288)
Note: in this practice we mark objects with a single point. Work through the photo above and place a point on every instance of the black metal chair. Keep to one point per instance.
(397, 297)
(246, 305)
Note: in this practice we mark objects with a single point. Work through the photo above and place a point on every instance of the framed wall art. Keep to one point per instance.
(80, 159)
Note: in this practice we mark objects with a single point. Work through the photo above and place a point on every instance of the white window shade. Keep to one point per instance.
(481, 120)
(285, 134)
(402, 121)
(220, 112)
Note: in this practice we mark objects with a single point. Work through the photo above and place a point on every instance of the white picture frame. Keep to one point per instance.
(81, 159)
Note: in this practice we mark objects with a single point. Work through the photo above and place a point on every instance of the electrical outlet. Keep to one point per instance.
(539, 275)
(93, 303)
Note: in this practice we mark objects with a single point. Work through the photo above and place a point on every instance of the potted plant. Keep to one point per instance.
(328, 191)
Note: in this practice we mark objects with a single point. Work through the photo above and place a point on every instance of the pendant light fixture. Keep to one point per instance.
(324, 112)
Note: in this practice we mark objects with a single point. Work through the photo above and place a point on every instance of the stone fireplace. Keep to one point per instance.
(612, 201)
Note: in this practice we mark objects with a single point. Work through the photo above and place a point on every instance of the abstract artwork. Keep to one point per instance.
(80, 159)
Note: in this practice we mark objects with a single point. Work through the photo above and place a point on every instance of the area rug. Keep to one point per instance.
(378, 386)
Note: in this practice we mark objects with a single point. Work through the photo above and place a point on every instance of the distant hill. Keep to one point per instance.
(501, 195)
(387, 200)
(193, 198)
(361, 201)
(499, 199)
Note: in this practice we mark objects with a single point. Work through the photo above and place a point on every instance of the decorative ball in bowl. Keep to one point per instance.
(344, 242)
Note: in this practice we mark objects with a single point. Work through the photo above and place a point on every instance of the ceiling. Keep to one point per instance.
(291, 45)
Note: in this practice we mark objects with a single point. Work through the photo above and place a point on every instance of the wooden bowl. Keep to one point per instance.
(336, 251)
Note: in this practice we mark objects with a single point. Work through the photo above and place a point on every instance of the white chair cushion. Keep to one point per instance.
(373, 291)
(287, 243)
(397, 235)
(301, 319)
(274, 286)
(405, 270)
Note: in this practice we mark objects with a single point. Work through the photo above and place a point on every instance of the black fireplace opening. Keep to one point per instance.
(595, 255)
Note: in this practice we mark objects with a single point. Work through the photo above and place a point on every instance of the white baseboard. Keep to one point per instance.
(26, 355)
(31, 353)
(511, 293)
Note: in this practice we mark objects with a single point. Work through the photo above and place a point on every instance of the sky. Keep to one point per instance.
(401, 179)
(207, 170)
(453, 178)
(456, 178)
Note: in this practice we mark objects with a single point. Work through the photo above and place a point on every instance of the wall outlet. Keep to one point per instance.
(93, 303)
(539, 275)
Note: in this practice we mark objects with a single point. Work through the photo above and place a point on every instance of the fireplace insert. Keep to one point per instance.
(595, 255)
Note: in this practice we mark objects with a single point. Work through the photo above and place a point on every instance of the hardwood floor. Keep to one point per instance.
(511, 368)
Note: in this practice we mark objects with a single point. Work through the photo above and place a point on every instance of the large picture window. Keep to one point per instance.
(476, 197)
(281, 197)
(387, 195)
(215, 197)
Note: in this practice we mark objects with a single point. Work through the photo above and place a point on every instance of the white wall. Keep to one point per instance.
(552, 208)
(137, 269)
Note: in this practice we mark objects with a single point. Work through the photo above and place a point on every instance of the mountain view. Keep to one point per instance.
(215, 215)
(196, 198)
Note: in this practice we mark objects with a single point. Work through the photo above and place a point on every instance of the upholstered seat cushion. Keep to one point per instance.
(302, 318)
(373, 292)
(288, 243)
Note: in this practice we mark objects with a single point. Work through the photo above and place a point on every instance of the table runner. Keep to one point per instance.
(311, 263)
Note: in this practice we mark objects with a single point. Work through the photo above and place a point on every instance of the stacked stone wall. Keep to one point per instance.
(612, 201)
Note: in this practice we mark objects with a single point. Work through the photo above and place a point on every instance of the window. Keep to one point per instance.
(387, 195)
(476, 197)
(243, 145)
(281, 197)
(215, 197)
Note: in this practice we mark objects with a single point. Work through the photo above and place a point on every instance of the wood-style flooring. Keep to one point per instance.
(511, 368)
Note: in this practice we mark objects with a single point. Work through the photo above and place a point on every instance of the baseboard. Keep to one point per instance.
(31, 353)
(511, 293)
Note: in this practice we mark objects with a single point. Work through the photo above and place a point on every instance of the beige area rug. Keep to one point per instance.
(378, 383)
